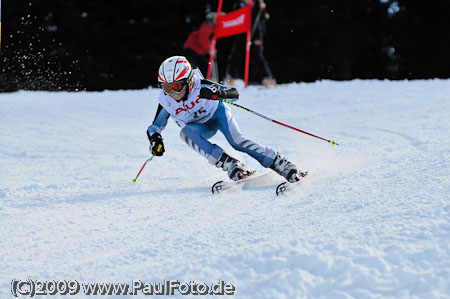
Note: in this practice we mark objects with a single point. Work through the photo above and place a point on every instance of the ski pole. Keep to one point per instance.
(255, 23)
(332, 142)
(142, 168)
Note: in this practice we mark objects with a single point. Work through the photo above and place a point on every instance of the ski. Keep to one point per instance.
(252, 180)
(286, 186)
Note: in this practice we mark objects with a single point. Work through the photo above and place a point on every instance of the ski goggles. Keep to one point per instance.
(177, 87)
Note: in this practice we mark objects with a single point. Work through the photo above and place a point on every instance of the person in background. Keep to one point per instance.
(194, 104)
(234, 68)
(197, 45)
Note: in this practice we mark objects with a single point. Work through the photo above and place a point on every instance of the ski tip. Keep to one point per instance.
(281, 188)
(217, 187)
(285, 186)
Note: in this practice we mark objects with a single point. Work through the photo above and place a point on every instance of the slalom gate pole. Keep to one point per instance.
(145, 163)
(332, 142)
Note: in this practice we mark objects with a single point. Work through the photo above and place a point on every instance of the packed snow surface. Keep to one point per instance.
(372, 221)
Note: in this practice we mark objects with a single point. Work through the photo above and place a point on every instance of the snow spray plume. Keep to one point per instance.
(332, 142)
(32, 58)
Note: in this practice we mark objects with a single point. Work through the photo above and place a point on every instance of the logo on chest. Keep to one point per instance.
(187, 106)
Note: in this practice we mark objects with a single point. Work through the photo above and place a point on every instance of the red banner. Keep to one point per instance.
(235, 22)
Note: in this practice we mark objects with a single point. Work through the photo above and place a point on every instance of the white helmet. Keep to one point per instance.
(175, 73)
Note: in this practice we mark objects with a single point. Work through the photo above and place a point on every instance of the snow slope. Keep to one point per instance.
(374, 220)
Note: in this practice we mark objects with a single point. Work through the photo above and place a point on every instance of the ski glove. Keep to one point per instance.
(212, 92)
(156, 144)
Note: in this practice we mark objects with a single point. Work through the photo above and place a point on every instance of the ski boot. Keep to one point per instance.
(286, 169)
(236, 170)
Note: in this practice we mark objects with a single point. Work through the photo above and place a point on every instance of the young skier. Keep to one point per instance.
(192, 102)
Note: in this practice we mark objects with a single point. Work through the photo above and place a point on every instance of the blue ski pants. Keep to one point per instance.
(196, 136)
